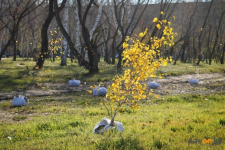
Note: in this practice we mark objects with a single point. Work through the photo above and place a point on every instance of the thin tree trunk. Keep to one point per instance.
(222, 56)
(119, 64)
(2, 40)
(15, 49)
(208, 45)
(21, 46)
(66, 26)
(216, 38)
(78, 42)
(69, 41)
(44, 37)
(35, 37)
(199, 38)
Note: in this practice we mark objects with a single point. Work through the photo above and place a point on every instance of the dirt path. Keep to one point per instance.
(209, 83)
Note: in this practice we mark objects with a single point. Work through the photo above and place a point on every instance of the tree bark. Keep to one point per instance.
(222, 56)
(15, 49)
(66, 26)
(216, 38)
(199, 38)
(44, 35)
(81, 60)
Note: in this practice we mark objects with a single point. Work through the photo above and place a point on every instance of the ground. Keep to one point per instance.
(170, 85)
(208, 83)
(63, 117)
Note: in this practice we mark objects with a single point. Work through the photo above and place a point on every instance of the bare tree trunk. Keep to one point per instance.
(66, 35)
(66, 26)
(17, 17)
(15, 49)
(208, 45)
(28, 46)
(183, 47)
(78, 42)
(222, 56)
(2, 40)
(216, 38)
(35, 37)
(119, 65)
(21, 46)
(44, 36)
(199, 38)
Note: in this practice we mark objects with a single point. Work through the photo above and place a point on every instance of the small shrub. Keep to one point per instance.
(120, 144)
(222, 122)
(198, 120)
(158, 144)
(18, 118)
(174, 129)
(44, 127)
(127, 110)
(21, 63)
(173, 99)
(190, 128)
(75, 123)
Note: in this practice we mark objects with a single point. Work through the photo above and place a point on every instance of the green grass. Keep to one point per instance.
(66, 122)
(189, 68)
(16, 75)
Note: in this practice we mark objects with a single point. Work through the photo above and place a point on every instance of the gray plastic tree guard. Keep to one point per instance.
(100, 91)
(74, 82)
(19, 101)
(193, 81)
(153, 85)
(104, 125)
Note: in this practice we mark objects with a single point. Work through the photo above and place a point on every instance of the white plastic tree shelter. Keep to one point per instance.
(104, 125)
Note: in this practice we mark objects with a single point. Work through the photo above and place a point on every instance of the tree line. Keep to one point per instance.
(87, 30)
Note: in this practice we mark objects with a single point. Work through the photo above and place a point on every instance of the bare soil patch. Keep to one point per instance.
(170, 85)
(208, 83)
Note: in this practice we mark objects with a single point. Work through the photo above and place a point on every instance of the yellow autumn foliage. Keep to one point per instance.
(143, 61)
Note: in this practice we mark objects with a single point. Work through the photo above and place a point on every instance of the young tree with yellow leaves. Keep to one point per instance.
(141, 59)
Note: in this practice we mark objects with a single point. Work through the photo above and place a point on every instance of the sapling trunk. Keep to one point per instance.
(115, 112)
(113, 117)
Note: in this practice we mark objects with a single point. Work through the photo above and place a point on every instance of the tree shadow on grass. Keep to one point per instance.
(127, 143)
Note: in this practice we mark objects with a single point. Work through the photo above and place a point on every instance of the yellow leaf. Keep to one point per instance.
(155, 19)
(164, 63)
(141, 34)
(90, 91)
(158, 26)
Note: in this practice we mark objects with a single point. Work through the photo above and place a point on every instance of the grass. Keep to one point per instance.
(16, 75)
(166, 123)
(189, 68)
(66, 121)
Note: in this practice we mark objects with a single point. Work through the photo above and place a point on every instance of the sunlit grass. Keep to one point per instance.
(67, 123)
(189, 68)
(17, 75)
